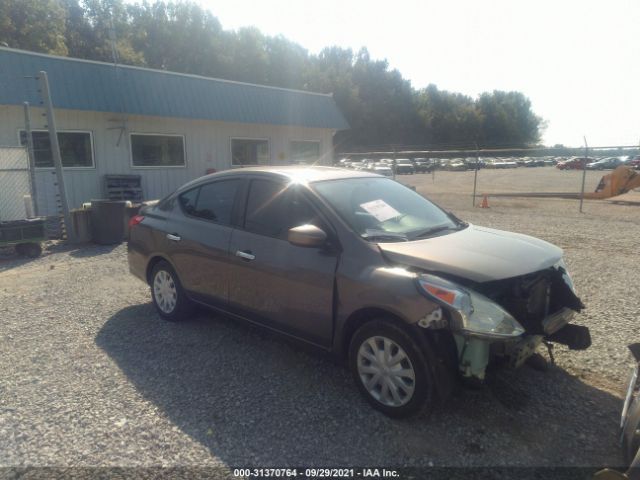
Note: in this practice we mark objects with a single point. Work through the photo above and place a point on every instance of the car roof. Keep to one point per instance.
(299, 173)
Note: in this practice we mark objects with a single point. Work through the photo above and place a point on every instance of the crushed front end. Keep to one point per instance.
(509, 318)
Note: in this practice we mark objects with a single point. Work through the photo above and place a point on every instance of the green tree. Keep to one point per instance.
(448, 119)
(180, 37)
(105, 23)
(36, 25)
(507, 119)
(287, 63)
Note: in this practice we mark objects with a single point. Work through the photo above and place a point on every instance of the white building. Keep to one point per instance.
(166, 127)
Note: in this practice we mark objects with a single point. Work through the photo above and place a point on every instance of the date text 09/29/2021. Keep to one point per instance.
(315, 473)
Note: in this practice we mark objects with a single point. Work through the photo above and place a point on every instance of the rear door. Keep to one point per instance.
(198, 237)
(286, 287)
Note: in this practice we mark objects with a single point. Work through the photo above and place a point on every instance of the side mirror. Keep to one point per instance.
(307, 236)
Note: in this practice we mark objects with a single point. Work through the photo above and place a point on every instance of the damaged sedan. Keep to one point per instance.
(413, 298)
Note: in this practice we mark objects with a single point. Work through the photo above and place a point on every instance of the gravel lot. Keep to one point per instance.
(89, 375)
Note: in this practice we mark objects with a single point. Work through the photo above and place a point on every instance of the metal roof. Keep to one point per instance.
(96, 86)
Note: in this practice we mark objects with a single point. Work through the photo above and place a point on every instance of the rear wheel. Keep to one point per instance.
(167, 293)
(390, 369)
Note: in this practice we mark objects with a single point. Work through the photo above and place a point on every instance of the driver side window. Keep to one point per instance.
(273, 208)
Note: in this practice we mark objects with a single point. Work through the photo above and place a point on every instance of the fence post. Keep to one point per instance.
(32, 160)
(584, 171)
(55, 150)
(475, 177)
(394, 163)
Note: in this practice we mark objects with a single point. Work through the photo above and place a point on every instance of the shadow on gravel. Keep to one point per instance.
(87, 250)
(9, 258)
(254, 399)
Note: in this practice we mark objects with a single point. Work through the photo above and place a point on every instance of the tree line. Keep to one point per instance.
(380, 105)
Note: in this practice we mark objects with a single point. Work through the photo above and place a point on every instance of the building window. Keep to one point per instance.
(149, 150)
(305, 152)
(76, 148)
(246, 151)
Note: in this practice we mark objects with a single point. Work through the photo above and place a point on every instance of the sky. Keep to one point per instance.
(578, 61)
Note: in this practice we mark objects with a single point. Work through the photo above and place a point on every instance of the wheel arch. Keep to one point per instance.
(438, 346)
(153, 261)
(358, 318)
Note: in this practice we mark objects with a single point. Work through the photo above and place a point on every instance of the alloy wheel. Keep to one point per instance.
(165, 291)
(386, 371)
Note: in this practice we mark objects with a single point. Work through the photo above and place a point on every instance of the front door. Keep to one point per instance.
(286, 287)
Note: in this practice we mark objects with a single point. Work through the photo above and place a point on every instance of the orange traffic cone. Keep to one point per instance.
(485, 202)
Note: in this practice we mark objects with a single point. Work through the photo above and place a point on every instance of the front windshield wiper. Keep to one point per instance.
(371, 234)
(433, 230)
(460, 223)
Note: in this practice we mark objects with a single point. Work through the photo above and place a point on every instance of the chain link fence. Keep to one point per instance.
(15, 184)
(17, 200)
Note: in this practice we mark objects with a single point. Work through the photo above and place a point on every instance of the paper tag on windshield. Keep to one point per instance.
(380, 209)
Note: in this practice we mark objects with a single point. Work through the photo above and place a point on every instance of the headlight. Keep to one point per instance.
(477, 314)
(565, 274)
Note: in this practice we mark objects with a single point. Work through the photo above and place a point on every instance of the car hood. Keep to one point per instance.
(476, 253)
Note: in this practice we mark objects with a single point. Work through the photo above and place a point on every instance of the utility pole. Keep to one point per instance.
(55, 150)
(584, 171)
(32, 160)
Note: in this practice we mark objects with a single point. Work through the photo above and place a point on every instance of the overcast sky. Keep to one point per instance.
(577, 60)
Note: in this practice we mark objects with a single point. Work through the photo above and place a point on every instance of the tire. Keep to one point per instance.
(167, 294)
(409, 395)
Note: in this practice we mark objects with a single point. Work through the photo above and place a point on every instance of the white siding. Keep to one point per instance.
(207, 145)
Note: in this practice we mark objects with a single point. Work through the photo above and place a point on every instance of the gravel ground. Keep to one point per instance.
(89, 375)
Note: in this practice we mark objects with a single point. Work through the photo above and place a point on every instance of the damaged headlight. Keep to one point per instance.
(476, 314)
(565, 274)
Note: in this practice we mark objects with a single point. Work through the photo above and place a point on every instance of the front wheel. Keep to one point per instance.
(390, 369)
(167, 293)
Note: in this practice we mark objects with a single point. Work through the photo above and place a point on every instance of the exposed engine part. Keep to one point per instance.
(576, 337)
(539, 301)
(549, 346)
(556, 321)
(435, 319)
(523, 350)
(473, 356)
(538, 362)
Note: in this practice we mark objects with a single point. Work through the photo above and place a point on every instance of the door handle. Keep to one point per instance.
(245, 255)
(173, 237)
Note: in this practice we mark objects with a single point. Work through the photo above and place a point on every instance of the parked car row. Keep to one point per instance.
(576, 163)
(409, 166)
(386, 166)
(606, 163)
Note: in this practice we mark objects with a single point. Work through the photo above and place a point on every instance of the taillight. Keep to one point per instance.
(135, 220)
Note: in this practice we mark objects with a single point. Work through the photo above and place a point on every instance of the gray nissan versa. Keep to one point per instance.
(361, 266)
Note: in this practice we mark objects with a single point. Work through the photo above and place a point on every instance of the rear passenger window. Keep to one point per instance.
(188, 201)
(167, 204)
(212, 201)
(273, 208)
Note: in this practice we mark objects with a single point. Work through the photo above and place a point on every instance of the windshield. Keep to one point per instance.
(381, 209)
